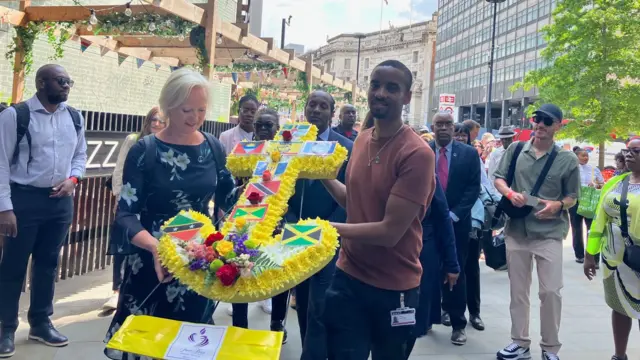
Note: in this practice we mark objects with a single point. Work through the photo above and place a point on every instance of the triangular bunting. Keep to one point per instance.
(247, 75)
(103, 51)
(234, 77)
(285, 71)
(158, 67)
(121, 59)
(174, 68)
(84, 44)
(139, 62)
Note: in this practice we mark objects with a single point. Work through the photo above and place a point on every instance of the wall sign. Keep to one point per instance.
(102, 151)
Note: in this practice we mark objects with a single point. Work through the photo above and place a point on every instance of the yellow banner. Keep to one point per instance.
(175, 340)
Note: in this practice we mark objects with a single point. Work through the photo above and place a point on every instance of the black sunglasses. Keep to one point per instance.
(547, 120)
(634, 150)
(62, 81)
(264, 125)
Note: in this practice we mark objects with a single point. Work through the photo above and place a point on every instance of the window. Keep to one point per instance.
(415, 74)
(366, 63)
(366, 79)
(347, 64)
(415, 57)
(348, 79)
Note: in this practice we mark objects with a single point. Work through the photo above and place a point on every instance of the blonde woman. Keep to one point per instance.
(151, 125)
(621, 282)
(178, 168)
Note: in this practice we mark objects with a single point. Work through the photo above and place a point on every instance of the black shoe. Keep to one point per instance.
(476, 322)
(279, 326)
(7, 346)
(580, 261)
(446, 319)
(458, 337)
(48, 335)
(619, 358)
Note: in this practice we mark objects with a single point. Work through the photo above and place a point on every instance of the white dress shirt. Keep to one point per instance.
(590, 174)
(58, 150)
(233, 136)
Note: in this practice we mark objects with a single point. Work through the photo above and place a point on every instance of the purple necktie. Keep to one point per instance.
(443, 168)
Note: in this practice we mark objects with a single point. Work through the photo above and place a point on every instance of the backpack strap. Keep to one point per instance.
(150, 150)
(23, 118)
(218, 151)
(545, 171)
(512, 166)
(624, 226)
(75, 116)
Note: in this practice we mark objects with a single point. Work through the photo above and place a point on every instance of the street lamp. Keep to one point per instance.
(487, 110)
(358, 36)
(285, 23)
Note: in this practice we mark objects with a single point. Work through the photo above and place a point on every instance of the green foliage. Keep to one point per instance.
(26, 36)
(244, 67)
(592, 45)
(263, 263)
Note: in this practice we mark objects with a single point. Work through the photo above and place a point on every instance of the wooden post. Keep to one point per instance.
(17, 91)
(211, 38)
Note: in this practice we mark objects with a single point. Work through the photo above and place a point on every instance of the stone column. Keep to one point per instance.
(504, 118)
(473, 112)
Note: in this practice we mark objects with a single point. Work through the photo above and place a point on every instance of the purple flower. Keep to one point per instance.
(198, 265)
(233, 237)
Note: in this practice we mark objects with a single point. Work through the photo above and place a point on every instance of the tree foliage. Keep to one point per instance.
(593, 71)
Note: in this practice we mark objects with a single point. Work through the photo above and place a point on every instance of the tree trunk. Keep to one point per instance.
(601, 151)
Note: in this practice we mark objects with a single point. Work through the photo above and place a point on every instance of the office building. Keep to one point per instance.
(413, 45)
(298, 49)
(463, 49)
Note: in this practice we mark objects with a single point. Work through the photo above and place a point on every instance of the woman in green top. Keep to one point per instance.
(621, 283)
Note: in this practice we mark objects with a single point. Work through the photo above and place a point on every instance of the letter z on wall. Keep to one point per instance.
(102, 151)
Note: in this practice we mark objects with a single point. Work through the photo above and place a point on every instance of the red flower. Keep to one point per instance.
(286, 135)
(216, 236)
(227, 274)
(266, 175)
(255, 198)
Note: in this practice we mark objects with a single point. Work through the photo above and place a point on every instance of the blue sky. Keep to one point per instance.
(314, 20)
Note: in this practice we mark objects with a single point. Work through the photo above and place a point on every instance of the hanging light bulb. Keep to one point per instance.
(89, 27)
(181, 37)
(128, 11)
(152, 26)
(219, 41)
(92, 18)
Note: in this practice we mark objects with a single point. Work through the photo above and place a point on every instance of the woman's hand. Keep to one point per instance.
(589, 266)
(161, 272)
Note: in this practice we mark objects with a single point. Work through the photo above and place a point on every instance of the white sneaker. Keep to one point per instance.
(230, 310)
(265, 305)
(514, 352)
(112, 303)
(549, 356)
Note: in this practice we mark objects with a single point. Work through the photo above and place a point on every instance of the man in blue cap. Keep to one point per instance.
(545, 184)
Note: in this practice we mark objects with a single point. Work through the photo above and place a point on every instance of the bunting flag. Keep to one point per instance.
(84, 44)
(139, 62)
(103, 51)
(285, 71)
(247, 75)
(234, 77)
(121, 59)
(183, 228)
(301, 235)
(174, 68)
(158, 67)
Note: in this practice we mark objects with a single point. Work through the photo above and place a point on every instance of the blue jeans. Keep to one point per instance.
(310, 302)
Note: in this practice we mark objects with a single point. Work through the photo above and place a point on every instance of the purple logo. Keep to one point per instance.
(200, 340)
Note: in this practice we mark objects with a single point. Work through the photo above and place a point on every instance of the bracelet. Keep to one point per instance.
(510, 194)
(74, 179)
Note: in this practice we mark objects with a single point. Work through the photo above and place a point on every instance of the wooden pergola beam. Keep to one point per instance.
(78, 13)
(211, 36)
(17, 90)
(184, 9)
(165, 51)
(11, 16)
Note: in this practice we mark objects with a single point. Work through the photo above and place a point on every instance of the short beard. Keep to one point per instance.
(56, 99)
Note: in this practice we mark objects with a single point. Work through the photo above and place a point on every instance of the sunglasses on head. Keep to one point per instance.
(546, 120)
(264, 125)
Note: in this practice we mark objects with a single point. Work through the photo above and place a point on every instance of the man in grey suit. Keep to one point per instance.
(311, 200)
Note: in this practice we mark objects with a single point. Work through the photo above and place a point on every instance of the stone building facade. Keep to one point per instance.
(100, 83)
(413, 45)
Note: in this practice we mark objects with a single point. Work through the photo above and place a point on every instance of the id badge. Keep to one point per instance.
(403, 317)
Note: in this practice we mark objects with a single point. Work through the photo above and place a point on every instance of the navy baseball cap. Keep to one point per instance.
(550, 110)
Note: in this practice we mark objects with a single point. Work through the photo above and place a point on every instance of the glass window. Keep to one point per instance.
(415, 57)
(532, 13)
(366, 63)
(347, 64)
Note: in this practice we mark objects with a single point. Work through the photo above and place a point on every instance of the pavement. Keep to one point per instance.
(585, 332)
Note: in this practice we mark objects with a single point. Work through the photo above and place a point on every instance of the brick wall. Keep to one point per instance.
(102, 85)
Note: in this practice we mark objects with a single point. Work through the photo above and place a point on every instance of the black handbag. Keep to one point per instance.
(505, 206)
(631, 251)
(495, 250)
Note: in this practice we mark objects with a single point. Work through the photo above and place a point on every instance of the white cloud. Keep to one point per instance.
(313, 20)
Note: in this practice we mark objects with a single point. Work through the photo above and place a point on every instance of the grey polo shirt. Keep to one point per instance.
(562, 181)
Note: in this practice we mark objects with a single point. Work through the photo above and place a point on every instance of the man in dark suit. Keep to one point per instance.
(348, 116)
(311, 200)
(458, 169)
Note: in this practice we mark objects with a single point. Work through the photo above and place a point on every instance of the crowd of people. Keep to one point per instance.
(410, 207)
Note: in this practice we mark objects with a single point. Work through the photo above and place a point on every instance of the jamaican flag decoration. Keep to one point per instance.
(301, 235)
(183, 228)
(250, 212)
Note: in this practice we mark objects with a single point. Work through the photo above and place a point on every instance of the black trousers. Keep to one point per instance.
(472, 272)
(240, 317)
(577, 232)
(358, 320)
(43, 226)
(454, 302)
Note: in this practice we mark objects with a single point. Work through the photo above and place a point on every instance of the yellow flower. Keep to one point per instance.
(275, 156)
(223, 247)
(240, 222)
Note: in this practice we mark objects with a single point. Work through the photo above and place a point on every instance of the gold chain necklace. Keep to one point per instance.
(376, 158)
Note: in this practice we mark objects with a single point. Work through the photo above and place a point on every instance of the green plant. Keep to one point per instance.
(26, 36)
(244, 67)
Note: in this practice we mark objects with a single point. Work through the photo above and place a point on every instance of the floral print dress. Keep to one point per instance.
(183, 177)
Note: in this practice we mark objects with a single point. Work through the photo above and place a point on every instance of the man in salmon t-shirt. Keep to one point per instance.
(390, 181)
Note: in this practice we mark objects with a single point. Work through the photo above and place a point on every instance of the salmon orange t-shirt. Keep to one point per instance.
(406, 169)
